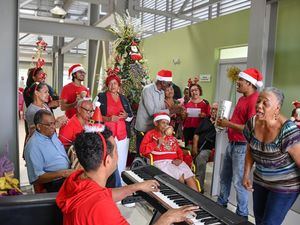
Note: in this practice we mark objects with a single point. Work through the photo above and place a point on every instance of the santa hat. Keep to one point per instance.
(96, 123)
(161, 116)
(164, 75)
(75, 68)
(253, 76)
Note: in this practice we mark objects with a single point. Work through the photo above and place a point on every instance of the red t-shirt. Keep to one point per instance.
(193, 122)
(115, 108)
(84, 202)
(69, 93)
(68, 133)
(170, 150)
(243, 111)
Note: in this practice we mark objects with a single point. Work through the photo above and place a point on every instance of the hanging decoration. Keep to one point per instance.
(127, 59)
(37, 59)
(233, 75)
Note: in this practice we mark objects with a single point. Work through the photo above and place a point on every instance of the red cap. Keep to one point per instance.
(113, 77)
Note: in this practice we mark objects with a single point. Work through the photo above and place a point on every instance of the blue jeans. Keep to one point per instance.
(233, 170)
(270, 207)
(118, 178)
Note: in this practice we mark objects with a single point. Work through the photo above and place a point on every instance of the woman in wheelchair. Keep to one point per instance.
(167, 155)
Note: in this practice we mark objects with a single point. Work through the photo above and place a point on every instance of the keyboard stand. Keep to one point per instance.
(155, 217)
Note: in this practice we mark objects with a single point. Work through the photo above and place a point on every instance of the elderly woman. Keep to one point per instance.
(274, 147)
(196, 109)
(117, 115)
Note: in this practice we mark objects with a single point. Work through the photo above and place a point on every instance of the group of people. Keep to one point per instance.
(257, 133)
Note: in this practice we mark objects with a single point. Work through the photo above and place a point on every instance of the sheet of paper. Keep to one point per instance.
(193, 112)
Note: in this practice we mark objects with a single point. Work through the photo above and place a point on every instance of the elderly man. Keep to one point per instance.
(203, 143)
(46, 159)
(75, 125)
(152, 101)
(73, 91)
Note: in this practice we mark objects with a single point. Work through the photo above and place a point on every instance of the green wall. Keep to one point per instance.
(197, 46)
(287, 54)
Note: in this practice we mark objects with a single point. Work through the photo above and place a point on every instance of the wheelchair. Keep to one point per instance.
(148, 160)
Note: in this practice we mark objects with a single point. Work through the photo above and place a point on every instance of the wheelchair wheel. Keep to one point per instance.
(138, 162)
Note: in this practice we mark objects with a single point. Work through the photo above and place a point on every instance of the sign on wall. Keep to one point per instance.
(205, 78)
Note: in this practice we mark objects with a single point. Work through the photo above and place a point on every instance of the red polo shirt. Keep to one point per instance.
(69, 93)
(68, 133)
(243, 111)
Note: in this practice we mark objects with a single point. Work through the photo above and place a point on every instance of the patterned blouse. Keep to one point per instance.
(275, 169)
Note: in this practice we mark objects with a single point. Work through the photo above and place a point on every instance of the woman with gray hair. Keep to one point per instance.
(274, 147)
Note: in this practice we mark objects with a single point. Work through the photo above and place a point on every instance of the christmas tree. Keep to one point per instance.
(127, 60)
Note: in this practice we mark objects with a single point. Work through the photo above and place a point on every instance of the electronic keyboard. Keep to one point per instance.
(173, 194)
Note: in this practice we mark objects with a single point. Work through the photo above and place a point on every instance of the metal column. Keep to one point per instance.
(9, 79)
(261, 42)
(60, 64)
(92, 45)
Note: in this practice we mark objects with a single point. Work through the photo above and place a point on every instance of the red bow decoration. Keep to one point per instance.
(296, 104)
(42, 44)
(114, 71)
(191, 82)
(40, 63)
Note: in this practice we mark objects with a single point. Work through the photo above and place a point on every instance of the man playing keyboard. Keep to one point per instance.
(85, 200)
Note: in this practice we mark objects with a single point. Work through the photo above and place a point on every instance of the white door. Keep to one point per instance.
(223, 93)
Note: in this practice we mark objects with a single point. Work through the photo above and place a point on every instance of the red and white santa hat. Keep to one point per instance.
(253, 76)
(161, 116)
(164, 75)
(75, 68)
(96, 123)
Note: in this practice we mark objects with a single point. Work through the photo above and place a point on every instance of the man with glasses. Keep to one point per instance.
(75, 125)
(73, 91)
(152, 101)
(46, 159)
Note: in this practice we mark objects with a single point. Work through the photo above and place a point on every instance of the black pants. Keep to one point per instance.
(188, 134)
(54, 186)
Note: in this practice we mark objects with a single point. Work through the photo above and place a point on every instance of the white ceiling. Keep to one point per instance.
(156, 15)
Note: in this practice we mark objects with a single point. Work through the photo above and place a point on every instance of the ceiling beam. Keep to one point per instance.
(21, 38)
(25, 3)
(209, 3)
(97, 2)
(64, 30)
(184, 4)
(102, 22)
(70, 45)
(166, 14)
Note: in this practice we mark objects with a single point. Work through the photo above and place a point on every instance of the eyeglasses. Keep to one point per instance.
(88, 111)
(51, 124)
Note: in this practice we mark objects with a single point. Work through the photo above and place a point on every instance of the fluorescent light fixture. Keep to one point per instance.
(27, 11)
(57, 10)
